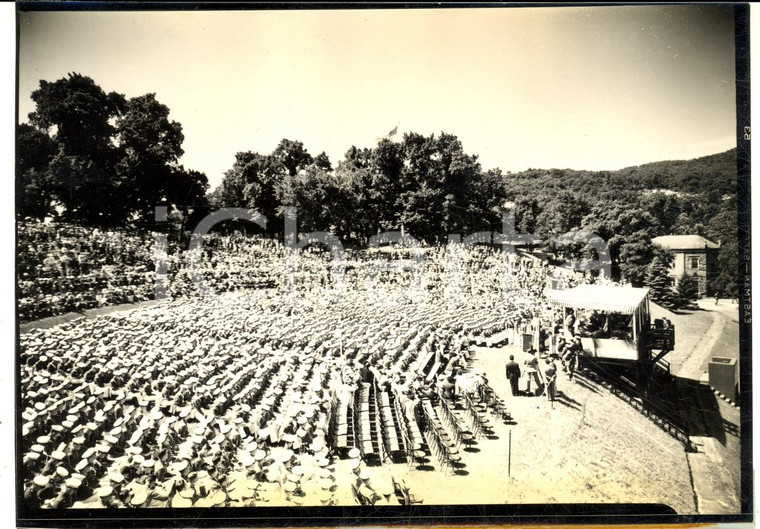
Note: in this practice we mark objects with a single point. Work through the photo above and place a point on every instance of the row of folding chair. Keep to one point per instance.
(410, 435)
(497, 404)
(344, 431)
(367, 427)
(476, 412)
(450, 419)
(440, 442)
(391, 426)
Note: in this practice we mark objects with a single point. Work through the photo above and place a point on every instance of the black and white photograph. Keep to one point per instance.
(382, 263)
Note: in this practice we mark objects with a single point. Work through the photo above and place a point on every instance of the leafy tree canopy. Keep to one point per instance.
(100, 158)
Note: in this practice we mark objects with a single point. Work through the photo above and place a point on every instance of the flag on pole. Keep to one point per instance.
(390, 134)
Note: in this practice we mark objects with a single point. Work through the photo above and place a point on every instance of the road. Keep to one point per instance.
(701, 335)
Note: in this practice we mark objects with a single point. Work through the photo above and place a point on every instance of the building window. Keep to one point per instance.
(694, 263)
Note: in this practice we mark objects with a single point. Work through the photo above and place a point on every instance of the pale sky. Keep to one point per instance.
(582, 88)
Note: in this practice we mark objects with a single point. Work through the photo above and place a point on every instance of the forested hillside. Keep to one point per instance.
(102, 159)
(629, 207)
(716, 172)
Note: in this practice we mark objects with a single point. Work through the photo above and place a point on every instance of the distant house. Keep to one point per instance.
(694, 256)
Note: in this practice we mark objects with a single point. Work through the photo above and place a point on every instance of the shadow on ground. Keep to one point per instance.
(682, 406)
(701, 412)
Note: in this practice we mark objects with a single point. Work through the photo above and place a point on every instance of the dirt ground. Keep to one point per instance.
(710, 331)
(701, 334)
(592, 447)
(588, 447)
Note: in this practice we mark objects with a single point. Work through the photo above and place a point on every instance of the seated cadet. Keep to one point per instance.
(447, 387)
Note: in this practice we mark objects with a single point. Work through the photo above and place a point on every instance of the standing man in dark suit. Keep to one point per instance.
(513, 375)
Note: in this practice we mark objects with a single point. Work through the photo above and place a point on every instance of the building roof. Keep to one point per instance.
(684, 242)
(606, 298)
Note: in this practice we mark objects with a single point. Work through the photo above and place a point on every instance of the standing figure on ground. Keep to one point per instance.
(513, 375)
(531, 370)
(550, 377)
(570, 322)
(570, 358)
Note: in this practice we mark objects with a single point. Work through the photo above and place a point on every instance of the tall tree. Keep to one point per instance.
(724, 229)
(563, 211)
(35, 150)
(150, 146)
(386, 162)
(660, 283)
(665, 208)
(628, 232)
(230, 193)
(79, 115)
(369, 174)
(526, 212)
(322, 161)
(101, 158)
(486, 196)
(187, 190)
(687, 288)
(355, 178)
(442, 187)
(292, 156)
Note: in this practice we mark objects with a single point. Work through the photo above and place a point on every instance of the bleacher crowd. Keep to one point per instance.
(232, 401)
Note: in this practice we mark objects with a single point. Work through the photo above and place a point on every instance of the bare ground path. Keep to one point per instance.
(588, 447)
(52, 321)
(711, 331)
(592, 447)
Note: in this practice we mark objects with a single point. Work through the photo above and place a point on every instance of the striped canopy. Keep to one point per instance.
(623, 300)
